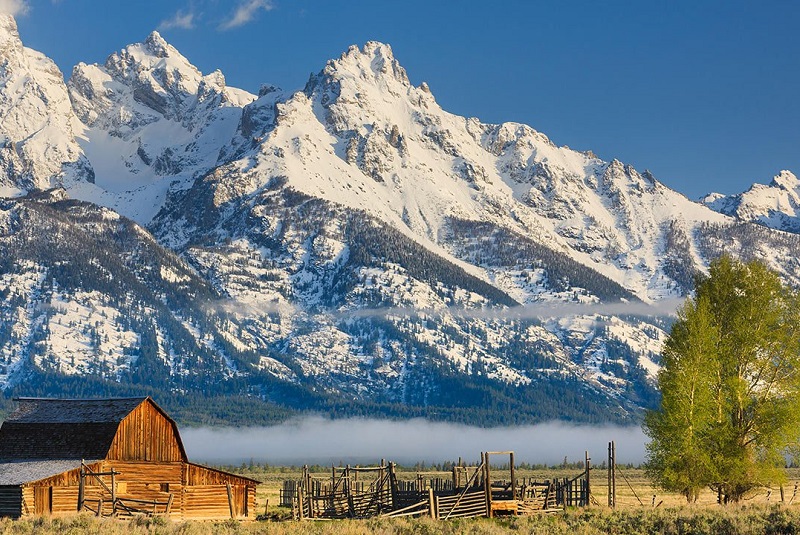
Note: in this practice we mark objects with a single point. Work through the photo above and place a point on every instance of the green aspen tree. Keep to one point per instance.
(678, 456)
(730, 385)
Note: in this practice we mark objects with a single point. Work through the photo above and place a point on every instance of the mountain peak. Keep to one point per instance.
(785, 180)
(374, 58)
(157, 45)
(376, 48)
(8, 29)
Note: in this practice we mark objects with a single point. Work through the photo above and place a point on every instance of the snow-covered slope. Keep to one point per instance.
(38, 149)
(151, 121)
(348, 247)
(361, 136)
(776, 205)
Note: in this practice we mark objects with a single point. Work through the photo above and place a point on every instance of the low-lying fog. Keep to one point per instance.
(321, 441)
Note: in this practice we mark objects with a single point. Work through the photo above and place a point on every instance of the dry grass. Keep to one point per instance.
(673, 516)
(633, 487)
(748, 520)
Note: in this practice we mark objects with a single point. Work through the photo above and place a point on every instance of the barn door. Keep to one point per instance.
(42, 500)
(237, 500)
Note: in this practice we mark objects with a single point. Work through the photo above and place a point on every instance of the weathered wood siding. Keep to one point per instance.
(146, 435)
(207, 493)
(150, 481)
(64, 479)
(211, 501)
(251, 502)
(197, 492)
(11, 501)
(200, 475)
(27, 501)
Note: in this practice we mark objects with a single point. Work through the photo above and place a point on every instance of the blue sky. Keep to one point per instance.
(702, 93)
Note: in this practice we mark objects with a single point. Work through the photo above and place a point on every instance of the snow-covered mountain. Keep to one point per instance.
(776, 205)
(351, 247)
(38, 147)
(151, 122)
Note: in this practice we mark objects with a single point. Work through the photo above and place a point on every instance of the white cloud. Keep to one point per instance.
(246, 11)
(182, 20)
(665, 307)
(14, 7)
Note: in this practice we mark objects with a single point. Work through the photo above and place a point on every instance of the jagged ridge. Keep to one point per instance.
(348, 247)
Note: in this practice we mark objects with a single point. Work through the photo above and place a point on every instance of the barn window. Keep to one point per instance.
(165, 487)
(122, 487)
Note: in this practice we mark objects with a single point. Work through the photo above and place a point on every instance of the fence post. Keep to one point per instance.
(300, 502)
(431, 503)
(81, 488)
(513, 481)
(588, 487)
(487, 484)
(393, 484)
(230, 499)
(612, 475)
(113, 493)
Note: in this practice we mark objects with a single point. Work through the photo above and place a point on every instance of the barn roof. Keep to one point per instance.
(73, 411)
(21, 472)
(64, 429)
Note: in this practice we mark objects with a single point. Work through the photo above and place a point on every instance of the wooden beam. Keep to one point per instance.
(487, 485)
(513, 481)
(588, 472)
(230, 499)
(81, 488)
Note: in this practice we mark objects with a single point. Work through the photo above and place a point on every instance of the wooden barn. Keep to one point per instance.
(111, 457)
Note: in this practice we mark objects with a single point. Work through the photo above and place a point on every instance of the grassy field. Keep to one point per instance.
(748, 520)
(634, 490)
(759, 514)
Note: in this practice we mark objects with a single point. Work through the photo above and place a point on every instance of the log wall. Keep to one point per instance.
(211, 501)
(205, 497)
(11, 501)
(27, 501)
(196, 474)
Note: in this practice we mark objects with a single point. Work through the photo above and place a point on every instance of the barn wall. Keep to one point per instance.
(27, 501)
(148, 481)
(207, 493)
(211, 501)
(204, 497)
(251, 501)
(201, 475)
(146, 435)
(139, 480)
(11, 501)
(65, 479)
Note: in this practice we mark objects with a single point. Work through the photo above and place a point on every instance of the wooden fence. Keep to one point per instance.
(358, 492)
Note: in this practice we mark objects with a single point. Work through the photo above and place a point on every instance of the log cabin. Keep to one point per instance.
(112, 457)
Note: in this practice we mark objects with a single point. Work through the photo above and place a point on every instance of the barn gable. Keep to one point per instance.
(147, 434)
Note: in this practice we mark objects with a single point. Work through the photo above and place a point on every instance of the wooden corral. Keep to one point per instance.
(111, 457)
(472, 492)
